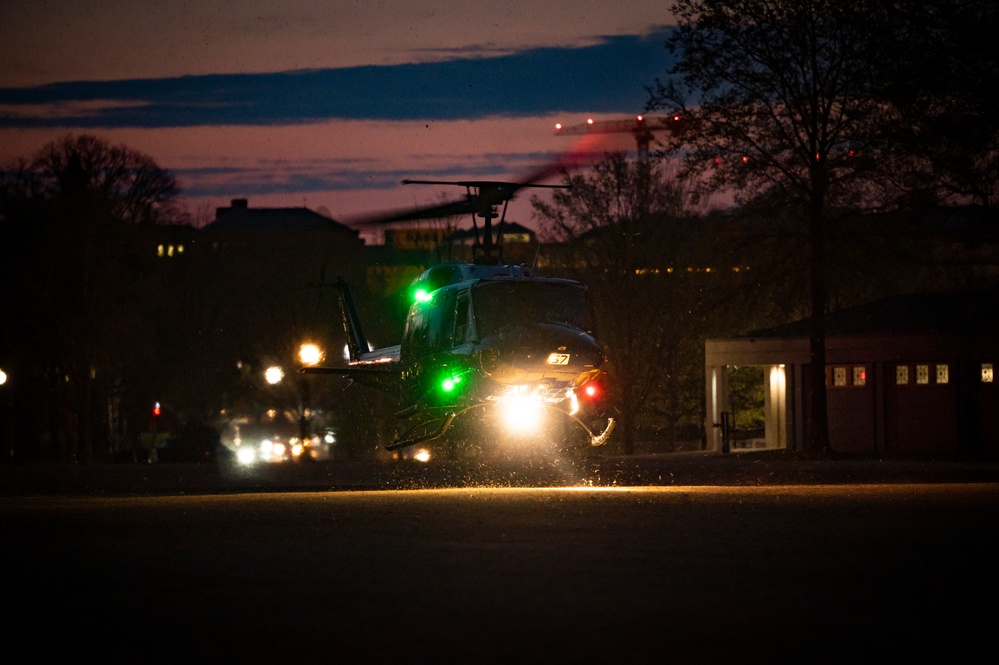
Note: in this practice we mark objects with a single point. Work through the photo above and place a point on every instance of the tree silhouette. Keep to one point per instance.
(626, 233)
(780, 102)
(75, 314)
(943, 84)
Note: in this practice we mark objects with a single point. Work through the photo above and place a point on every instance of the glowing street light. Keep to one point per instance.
(273, 374)
(310, 354)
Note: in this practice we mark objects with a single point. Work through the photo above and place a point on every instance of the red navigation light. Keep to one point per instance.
(156, 409)
(591, 390)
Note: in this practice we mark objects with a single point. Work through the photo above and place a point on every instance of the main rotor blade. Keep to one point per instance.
(482, 184)
(587, 151)
(489, 193)
(456, 208)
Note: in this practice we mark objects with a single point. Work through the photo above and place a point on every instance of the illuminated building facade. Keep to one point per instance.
(912, 373)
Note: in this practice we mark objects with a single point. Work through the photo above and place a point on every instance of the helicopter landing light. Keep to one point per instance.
(573, 402)
(521, 413)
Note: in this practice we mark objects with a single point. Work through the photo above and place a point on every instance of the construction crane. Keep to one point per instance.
(640, 127)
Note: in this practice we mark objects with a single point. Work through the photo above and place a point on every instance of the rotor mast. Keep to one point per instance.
(490, 249)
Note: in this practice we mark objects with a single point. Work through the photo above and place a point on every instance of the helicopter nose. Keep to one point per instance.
(540, 352)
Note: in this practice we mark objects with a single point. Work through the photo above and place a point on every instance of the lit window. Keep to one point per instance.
(986, 372)
(839, 376)
(922, 374)
(860, 376)
(902, 375)
(943, 373)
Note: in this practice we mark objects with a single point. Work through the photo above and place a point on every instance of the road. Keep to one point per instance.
(742, 571)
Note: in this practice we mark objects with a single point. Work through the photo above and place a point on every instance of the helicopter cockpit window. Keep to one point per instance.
(416, 331)
(500, 305)
(441, 322)
(461, 318)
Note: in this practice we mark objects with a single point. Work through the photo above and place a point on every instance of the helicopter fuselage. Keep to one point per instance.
(493, 335)
(485, 335)
(496, 340)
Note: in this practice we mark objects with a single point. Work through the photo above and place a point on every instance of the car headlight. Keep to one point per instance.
(246, 455)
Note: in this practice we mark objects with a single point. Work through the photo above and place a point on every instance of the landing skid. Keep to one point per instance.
(411, 438)
(597, 439)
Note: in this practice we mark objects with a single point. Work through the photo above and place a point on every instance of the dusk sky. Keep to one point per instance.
(326, 104)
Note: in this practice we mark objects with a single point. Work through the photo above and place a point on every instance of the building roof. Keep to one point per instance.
(911, 313)
(240, 217)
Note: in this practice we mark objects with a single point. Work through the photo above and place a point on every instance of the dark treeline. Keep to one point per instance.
(818, 111)
(79, 329)
(113, 303)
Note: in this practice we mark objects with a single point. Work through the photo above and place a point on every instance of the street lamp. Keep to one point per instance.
(273, 374)
(6, 416)
(311, 355)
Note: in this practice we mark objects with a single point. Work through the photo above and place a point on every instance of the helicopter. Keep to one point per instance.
(486, 340)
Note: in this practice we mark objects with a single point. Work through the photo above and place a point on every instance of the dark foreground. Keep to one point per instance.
(756, 468)
(734, 560)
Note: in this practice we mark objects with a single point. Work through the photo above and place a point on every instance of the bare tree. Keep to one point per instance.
(623, 231)
(779, 100)
(84, 318)
(945, 74)
(136, 190)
